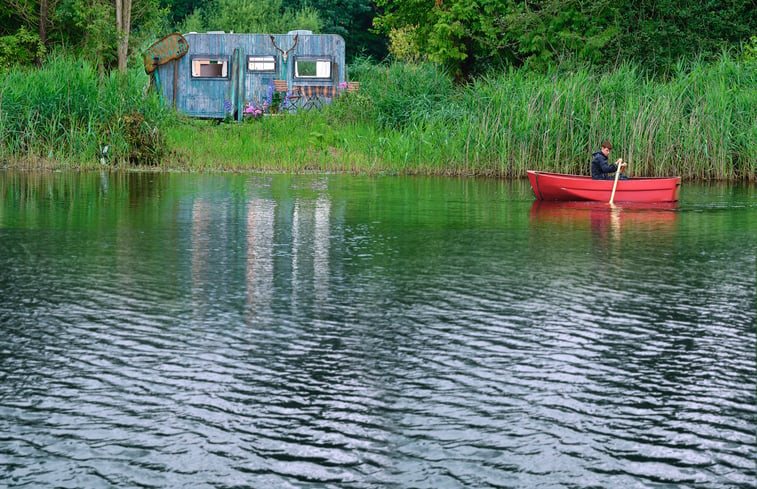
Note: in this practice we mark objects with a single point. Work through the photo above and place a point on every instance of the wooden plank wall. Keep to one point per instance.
(210, 98)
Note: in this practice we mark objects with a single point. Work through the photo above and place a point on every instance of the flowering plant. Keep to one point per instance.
(251, 111)
(228, 115)
(273, 98)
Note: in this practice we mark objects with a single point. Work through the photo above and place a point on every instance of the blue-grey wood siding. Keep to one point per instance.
(210, 98)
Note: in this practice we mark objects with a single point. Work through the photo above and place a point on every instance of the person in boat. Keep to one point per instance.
(600, 167)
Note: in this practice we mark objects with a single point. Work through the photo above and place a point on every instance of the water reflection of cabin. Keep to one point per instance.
(221, 72)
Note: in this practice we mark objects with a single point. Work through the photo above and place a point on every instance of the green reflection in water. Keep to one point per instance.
(457, 307)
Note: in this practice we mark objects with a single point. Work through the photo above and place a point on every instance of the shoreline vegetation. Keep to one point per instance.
(699, 123)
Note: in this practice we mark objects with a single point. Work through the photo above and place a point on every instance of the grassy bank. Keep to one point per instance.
(701, 124)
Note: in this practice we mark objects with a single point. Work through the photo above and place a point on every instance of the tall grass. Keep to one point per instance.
(701, 124)
(305, 142)
(64, 112)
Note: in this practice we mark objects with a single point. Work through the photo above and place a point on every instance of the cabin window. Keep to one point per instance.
(210, 67)
(315, 68)
(261, 64)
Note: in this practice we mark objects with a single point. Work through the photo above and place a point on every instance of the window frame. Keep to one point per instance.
(316, 59)
(222, 59)
(260, 57)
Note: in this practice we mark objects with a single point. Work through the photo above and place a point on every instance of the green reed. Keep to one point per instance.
(412, 119)
(700, 124)
(65, 113)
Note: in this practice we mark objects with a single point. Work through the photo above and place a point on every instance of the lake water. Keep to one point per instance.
(324, 331)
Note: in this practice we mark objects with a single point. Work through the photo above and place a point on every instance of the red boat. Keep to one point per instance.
(557, 186)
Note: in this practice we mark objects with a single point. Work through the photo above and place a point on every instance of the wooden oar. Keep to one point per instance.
(615, 184)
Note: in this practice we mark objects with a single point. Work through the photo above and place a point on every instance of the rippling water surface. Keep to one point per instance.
(164, 330)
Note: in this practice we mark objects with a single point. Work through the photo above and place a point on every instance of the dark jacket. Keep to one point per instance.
(600, 169)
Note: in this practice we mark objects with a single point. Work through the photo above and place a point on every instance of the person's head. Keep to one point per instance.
(606, 147)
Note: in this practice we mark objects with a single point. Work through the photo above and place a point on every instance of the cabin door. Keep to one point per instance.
(236, 87)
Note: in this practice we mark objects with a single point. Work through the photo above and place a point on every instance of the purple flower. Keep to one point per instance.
(252, 110)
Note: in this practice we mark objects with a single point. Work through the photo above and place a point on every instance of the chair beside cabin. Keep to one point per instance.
(280, 86)
(294, 94)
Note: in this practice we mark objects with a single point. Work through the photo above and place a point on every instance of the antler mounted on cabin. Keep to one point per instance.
(284, 54)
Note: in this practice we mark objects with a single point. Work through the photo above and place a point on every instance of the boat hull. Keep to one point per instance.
(557, 186)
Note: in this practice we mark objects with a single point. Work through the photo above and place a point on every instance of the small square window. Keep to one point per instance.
(262, 64)
(209, 67)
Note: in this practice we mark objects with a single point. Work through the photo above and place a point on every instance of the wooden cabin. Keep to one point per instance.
(219, 74)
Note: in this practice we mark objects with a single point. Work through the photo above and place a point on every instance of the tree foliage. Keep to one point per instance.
(258, 16)
(469, 36)
(180, 10)
(657, 33)
(84, 28)
(351, 19)
(22, 47)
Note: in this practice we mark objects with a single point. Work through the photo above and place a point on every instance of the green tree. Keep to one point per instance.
(179, 10)
(253, 16)
(469, 36)
(123, 28)
(89, 29)
(35, 14)
(85, 28)
(21, 47)
(23, 30)
(351, 19)
(657, 33)
(541, 32)
(459, 34)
